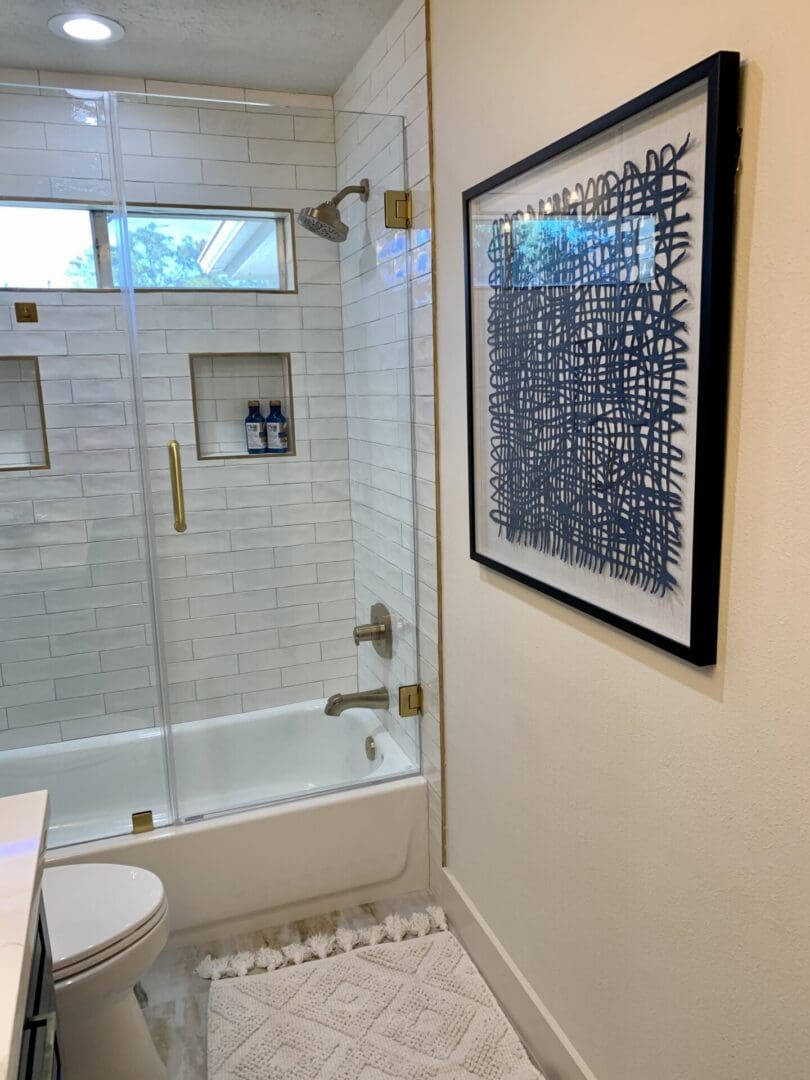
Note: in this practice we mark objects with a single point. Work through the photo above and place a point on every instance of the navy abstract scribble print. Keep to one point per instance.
(587, 350)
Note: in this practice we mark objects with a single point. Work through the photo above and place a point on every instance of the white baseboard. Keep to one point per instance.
(546, 1042)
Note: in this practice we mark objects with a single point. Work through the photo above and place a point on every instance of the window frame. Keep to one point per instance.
(99, 210)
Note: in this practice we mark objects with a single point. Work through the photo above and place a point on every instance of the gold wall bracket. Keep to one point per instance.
(26, 311)
(398, 209)
(142, 821)
(410, 700)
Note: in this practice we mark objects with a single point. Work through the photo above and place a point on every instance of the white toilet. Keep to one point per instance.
(107, 925)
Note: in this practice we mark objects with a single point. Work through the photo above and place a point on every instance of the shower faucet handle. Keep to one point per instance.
(377, 631)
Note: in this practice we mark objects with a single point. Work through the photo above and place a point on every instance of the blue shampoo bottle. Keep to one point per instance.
(277, 435)
(255, 430)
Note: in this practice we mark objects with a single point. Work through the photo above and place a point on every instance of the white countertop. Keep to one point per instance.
(23, 825)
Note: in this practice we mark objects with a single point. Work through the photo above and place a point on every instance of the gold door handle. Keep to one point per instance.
(178, 499)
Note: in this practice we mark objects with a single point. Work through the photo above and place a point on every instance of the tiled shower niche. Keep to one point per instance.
(23, 438)
(222, 384)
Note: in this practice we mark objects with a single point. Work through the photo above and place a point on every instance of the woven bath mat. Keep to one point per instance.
(414, 1009)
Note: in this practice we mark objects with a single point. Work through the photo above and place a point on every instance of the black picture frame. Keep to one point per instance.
(721, 74)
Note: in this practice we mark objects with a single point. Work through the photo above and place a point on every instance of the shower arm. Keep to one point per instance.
(361, 189)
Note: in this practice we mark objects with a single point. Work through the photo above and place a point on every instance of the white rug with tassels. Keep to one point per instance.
(410, 1009)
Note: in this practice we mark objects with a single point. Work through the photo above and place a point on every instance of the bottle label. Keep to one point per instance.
(256, 436)
(276, 436)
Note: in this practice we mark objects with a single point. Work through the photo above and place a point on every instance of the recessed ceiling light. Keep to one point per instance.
(82, 26)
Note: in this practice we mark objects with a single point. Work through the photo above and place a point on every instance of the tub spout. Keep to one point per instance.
(365, 699)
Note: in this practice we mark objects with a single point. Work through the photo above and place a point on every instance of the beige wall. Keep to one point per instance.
(635, 831)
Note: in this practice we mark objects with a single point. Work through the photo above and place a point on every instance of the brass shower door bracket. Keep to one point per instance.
(398, 209)
(410, 700)
(142, 821)
(26, 312)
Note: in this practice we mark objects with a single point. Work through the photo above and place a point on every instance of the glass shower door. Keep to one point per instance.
(257, 595)
(281, 554)
(80, 711)
(378, 357)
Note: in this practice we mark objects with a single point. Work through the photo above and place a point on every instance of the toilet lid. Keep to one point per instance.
(91, 907)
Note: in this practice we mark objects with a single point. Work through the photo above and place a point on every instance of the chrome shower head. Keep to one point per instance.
(325, 220)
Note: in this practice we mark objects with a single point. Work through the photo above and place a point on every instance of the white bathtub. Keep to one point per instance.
(222, 764)
(259, 868)
(340, 829)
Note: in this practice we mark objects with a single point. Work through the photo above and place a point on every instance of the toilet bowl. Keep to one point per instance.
(107, 925)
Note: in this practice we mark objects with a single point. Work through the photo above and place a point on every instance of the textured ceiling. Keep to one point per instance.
(300, 45)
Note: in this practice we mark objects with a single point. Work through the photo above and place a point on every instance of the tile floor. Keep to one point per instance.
(176, 1000)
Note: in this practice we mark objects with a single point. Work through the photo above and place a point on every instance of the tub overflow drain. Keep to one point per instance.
(371, 748)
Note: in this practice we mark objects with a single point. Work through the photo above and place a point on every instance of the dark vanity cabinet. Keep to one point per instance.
(39, 1055)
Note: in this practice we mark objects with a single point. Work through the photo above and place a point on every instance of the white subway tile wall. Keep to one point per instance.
(387, 413)
(258, 595)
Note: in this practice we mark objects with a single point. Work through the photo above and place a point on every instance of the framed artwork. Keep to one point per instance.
(598, 275)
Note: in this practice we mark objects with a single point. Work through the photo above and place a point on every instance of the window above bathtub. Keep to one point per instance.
(53, 245)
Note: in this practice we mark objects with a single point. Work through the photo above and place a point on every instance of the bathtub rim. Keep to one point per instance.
(65, 853)
(256, 809)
